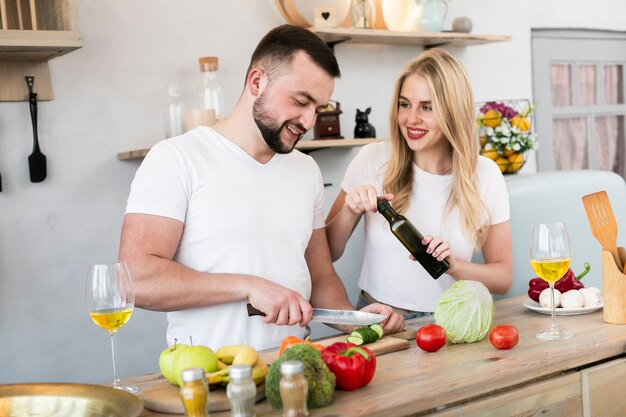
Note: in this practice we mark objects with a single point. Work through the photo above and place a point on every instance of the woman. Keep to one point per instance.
(432, 173)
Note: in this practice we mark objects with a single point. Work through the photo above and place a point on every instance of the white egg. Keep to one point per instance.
(590, 298)
(544, 298)
(572, 299)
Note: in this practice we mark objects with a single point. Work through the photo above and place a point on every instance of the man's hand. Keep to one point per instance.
(281, 305)
(394, 322)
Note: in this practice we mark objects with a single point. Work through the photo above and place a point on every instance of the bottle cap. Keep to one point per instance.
(193, 374)
(383, 204)
(208, 63)
(240, 371)
(291, 367)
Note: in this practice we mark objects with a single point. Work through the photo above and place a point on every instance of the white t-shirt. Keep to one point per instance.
(387, 273)
(240, 216)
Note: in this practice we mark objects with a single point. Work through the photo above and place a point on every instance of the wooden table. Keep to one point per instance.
(585, 375)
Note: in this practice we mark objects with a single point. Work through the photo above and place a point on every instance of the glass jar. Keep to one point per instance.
(210, 91)
(293, 389)
(174, 113)
(194, 392)
(241, 391)
(363, 13)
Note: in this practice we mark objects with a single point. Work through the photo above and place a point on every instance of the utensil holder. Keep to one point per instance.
(614, 288)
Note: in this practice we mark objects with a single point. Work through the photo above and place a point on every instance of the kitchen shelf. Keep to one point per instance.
(31, 33)
(40, 45)
(333, 36)
(304, 146)
(313, 145)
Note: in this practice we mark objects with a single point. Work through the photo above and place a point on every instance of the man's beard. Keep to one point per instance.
(269, 128)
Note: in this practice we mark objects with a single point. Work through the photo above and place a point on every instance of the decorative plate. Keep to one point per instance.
(560, 311)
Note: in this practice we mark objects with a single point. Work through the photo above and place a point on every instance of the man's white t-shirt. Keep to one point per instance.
(387, 273)
(240, 216)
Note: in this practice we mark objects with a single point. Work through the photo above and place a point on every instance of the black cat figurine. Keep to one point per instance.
(363, 128)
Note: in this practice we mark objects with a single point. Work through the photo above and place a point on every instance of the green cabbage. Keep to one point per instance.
(465, 311)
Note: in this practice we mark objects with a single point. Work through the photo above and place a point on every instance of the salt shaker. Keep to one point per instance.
(241, 391)
(293, 389)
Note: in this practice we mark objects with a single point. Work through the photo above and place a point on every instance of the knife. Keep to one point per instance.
(324, 315)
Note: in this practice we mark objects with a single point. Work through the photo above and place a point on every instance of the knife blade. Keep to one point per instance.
(360, 318)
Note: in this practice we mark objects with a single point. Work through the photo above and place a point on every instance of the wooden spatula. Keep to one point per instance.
(602, 222)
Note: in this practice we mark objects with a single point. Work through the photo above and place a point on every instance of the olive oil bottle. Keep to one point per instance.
(408, 235)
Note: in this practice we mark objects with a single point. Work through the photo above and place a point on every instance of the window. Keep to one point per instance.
(578, 85)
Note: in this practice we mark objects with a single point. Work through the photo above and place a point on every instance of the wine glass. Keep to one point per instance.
(550, 257)
(111, 299)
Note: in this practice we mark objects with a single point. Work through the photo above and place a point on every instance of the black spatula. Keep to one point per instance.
(36, 160)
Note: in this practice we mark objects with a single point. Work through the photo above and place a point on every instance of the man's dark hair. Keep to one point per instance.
(276, 50)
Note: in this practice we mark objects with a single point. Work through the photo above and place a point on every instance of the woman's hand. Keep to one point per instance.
(439, 249)
(364, 198)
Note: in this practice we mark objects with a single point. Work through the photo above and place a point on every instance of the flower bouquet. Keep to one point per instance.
(505, 133)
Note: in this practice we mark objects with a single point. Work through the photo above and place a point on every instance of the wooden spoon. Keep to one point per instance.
(602, 222)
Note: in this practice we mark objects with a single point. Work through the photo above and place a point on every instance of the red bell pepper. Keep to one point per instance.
(569, 281)
(353, 365)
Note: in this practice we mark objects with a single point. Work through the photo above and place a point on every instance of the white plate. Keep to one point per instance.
(560, 311)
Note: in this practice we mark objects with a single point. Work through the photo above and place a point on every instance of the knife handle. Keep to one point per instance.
(253, 311)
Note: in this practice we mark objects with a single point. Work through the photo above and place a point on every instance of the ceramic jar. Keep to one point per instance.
(431, 15)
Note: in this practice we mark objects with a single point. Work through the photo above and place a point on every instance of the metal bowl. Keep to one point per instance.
(67, 400)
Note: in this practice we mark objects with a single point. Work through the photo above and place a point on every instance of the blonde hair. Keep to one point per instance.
(453, 107)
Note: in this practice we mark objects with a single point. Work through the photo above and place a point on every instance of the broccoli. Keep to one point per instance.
(321, 380)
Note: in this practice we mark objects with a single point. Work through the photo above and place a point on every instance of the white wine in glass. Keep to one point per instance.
(111, 299)
(550, 257)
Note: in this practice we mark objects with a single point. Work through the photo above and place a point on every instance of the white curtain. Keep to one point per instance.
(569, 135)
(561, 83)
(570, 143)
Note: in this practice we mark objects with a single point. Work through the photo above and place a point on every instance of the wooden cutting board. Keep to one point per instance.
(383, 345)
(165, 398)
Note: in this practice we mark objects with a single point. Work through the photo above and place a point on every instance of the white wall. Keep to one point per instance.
(108, 99)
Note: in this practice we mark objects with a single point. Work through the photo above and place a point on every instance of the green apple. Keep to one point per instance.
(166, 360)
(194, 357)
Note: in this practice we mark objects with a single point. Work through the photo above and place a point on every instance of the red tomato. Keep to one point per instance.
(504, 336)
(431, 337)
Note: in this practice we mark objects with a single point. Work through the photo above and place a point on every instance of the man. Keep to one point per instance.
(223, 216)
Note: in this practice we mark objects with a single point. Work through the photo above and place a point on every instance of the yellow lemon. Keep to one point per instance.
(522, 123)
(503, 164)
(490, 153)
(483, 141)
(517, 161)
(508, 153)
(492, 118)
